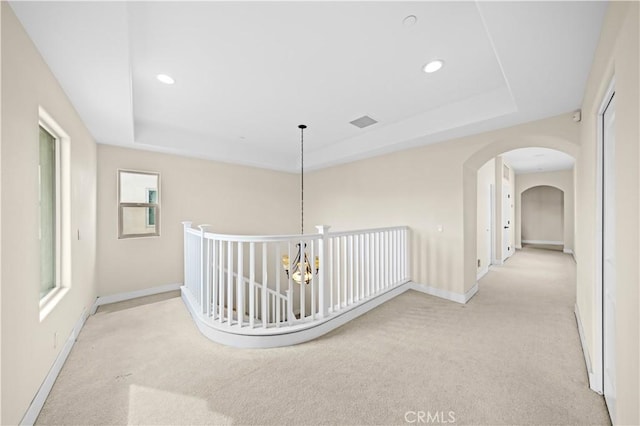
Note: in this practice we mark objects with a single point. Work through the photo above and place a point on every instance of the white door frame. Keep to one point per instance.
(598, 359)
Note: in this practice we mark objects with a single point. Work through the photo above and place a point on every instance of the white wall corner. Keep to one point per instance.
(482, 272)
(472, 292)
(120, 297)
(585, 351)
(445, 294)
(569, 251)
(45, 388)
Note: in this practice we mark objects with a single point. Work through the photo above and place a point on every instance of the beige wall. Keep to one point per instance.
(424, 188)
(232, 199)
(1, 214)
(28, 350)
(486, 180)
(617, 55)
(542, 214)
(563, 180)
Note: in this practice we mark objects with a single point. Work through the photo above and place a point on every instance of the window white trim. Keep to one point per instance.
(122, 205)
(63, 213)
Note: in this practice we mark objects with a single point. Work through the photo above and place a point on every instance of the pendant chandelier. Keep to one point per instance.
(301, 270)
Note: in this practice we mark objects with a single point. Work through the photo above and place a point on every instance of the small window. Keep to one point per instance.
(138, 204)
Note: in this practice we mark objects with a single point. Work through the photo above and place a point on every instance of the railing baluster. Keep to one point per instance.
(338, 273)
(344, 271)
(230, 282)
(385, 262)
(221, 285)
(393, 257)
(330, 259)
(289, 280)
(208, 278)
(377, 261)
(252, 283)
(214, 278)
(351, 271)
(240, 285)
(276, 248)
(203, 275)
(312, 261)
(265, 285)
(358, 266)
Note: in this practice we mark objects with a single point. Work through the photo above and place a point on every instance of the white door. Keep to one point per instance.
(608, 258)
(506, 223)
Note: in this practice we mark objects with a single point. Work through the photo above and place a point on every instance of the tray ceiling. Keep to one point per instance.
(247, 73)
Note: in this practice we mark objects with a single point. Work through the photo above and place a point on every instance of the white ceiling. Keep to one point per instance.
(247, 73)
(535, 160)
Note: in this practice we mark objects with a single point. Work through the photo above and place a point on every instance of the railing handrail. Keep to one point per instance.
(366, 231)
(286, 238)
(259, 238)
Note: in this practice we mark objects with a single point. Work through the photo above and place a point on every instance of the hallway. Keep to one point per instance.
(511, 355)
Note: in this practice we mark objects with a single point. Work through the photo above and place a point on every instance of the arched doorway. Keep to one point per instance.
(470, 173)
(542, 217)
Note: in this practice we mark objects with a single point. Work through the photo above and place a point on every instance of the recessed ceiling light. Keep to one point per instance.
(433, 66)
(166, 79)
(410, 20)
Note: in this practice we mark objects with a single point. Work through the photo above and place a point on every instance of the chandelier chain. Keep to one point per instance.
(301, 180)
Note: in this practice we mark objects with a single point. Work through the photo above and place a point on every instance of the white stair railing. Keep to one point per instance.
(238, 281)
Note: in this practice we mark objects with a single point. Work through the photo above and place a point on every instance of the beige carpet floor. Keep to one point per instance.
(510, 356)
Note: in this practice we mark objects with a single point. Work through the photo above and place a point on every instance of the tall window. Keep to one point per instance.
(54, 179)
(138, 204)
(49, 167)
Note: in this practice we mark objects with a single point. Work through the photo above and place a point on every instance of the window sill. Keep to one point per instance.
(51, 300)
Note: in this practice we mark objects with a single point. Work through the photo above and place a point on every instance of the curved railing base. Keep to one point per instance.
(245, 337)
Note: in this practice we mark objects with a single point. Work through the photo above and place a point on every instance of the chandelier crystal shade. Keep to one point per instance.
(301, 270)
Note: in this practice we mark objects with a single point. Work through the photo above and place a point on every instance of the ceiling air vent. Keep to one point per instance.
(364, 121)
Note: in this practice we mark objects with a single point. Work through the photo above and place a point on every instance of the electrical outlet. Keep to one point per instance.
(478, 263)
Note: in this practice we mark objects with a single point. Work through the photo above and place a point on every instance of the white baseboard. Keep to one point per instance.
(482, 272)
(41, 396)
(548, 242)
(445, 294)
(472, 292)
(120, 297)
(585, 351)
(569, 251)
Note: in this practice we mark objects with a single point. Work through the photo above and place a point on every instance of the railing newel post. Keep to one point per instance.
(185, 225)
(323, 259)
(204, 288)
